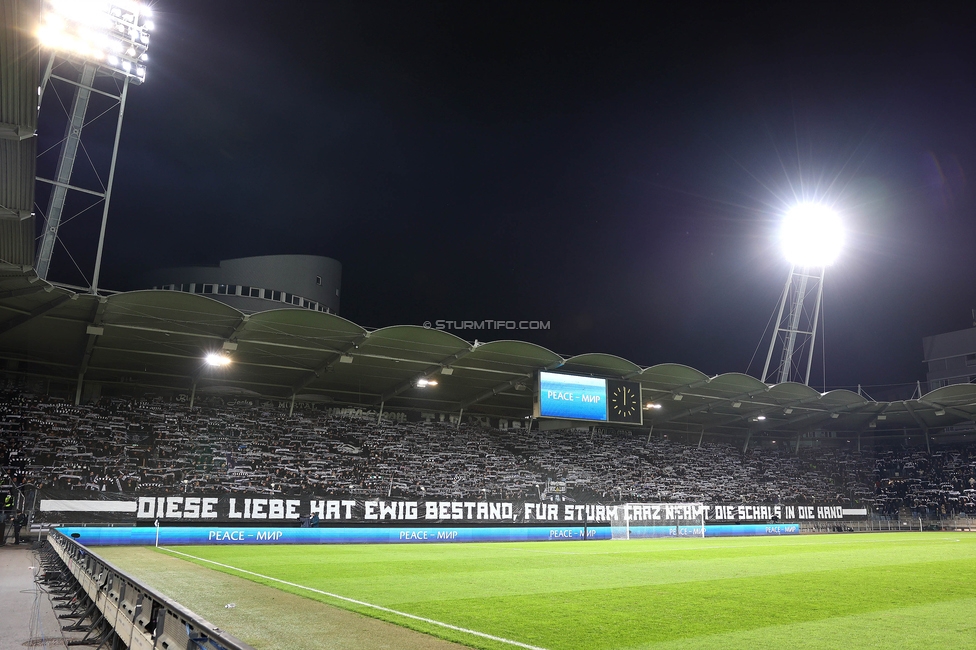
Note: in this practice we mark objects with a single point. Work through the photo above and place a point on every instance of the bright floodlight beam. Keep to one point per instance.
(812, 235)
(217, 360)
(112, 34)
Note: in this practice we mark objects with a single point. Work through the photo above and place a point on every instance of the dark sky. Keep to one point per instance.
(618, 170)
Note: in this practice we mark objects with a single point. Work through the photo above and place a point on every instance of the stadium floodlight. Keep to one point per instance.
(217, 360)
(812, 235)
(113, 34)
(424, 383)
(653, 406)
(99, 38)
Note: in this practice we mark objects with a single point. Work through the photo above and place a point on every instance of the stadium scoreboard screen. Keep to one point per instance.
(574, 397)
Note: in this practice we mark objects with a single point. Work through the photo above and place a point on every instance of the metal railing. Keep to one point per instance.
(124, 613)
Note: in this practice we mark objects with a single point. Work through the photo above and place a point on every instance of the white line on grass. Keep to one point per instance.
(362, 603)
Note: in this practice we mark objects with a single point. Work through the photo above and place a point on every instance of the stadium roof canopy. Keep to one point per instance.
(158, 340)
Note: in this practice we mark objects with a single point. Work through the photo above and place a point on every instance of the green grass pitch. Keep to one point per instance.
(899, 590)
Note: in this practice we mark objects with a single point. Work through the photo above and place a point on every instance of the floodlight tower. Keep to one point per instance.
(97, 38)
(811, 236)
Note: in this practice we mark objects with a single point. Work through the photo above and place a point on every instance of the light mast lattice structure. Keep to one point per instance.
(795, 334)
(97, 39)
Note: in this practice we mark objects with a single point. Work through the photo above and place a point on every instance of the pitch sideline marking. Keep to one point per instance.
(363, 603)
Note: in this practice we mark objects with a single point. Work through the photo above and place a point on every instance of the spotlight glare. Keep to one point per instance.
(812, 235)
(87, 29)
(217, 360)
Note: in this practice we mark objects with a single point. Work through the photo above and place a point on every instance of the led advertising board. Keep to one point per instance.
(572, 397)
(588, 398)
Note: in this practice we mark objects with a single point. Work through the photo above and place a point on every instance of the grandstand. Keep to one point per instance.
(132, 446)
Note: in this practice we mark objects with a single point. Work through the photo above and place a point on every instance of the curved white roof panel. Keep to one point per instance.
(158, 339)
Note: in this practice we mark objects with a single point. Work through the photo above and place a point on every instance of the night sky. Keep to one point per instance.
(618, 170)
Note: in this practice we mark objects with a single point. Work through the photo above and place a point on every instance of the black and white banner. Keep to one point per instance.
(258, 509)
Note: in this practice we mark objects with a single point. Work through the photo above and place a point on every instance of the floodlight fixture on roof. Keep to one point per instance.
(217, 360)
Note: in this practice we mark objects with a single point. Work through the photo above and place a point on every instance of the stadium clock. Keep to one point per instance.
(624, 402)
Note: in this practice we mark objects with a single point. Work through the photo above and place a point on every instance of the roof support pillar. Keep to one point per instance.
(918, 420)
(948, 409)
(16, 321)
(426, 374)
(494, 391)
(799, 434)
(701, 436)
(708, 405)
(326, 365)
(193, 393)
(928, 445)
(291, 406)
(232, 337)
(24, 291)
(379, 418)
(460, 415)
(649, 433)
(505, 386)
(745, 447)
(94, 331)
(753, 412)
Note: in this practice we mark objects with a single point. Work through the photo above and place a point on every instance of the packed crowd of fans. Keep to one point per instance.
(933, 485)
(156, 446)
